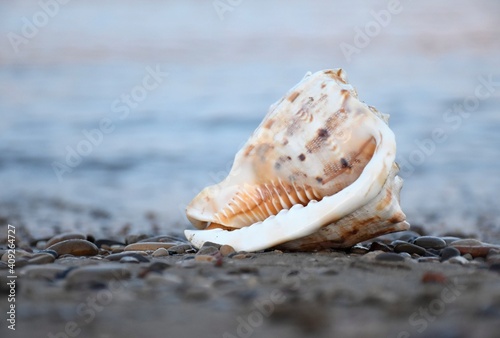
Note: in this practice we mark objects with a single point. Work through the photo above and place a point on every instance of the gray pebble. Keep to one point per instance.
(450, 239)
(208, 244)
(139, 255)
(448, 253)
(129, 259)
(409, 248)
(468, 256)
(180, 249)
(458, 260)
(390, 257)
(160, 252)
(430, 242)
(135, 238)
(208, 250)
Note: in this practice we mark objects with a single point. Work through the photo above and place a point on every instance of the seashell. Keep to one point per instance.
(319, 171)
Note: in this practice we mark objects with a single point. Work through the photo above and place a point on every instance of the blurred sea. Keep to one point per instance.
(420, 67)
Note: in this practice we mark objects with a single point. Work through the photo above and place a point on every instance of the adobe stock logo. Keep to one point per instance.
(363, 36)
(30, 28)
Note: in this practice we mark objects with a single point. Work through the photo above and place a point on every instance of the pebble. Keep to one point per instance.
(458, 260)
(380, 246)
(96, 274)
(473, 247)
(468, 256)
(160, 252)
(75, 247)
(180, 249)
(409, 248)
(41, 258)
(135, 238)
(204, 258)
(129, 259)
(207, 244)
(390, 257)
(226, 250)
(358, 249)
(208, 250)
(47, 272)
(139, 255)
(237, 255)
(430, 242)
(63, 237)
(434, 277)
(147, 246)
(448, 253)
(450, 239)
(163, 239)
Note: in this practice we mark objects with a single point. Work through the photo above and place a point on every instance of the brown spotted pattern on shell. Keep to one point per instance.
(319, 170)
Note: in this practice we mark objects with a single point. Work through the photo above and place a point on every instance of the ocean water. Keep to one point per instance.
(70, 69)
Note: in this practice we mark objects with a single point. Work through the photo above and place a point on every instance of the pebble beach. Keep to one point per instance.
(399, 285)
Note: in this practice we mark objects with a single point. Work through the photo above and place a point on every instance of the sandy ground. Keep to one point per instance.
(266, 294)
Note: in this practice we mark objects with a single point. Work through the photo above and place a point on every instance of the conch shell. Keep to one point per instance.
(319, 171)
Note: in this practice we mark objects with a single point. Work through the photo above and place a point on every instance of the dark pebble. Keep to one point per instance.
(430, 242)
(358, 249)
(409, 248)
(211, 244)
(398, 241)
(449, 252)
(390, 257)
(380, 246)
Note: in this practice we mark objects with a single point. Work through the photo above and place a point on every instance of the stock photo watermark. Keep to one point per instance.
(223, 6)
(422, 318)
(453, 119)
(31, 26)
(364, 35)
(247, 324)
(12, 277)
(94, 137)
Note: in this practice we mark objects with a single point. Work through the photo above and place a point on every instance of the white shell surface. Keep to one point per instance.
(319, 170)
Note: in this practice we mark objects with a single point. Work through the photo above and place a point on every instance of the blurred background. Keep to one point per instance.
(95, 136)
